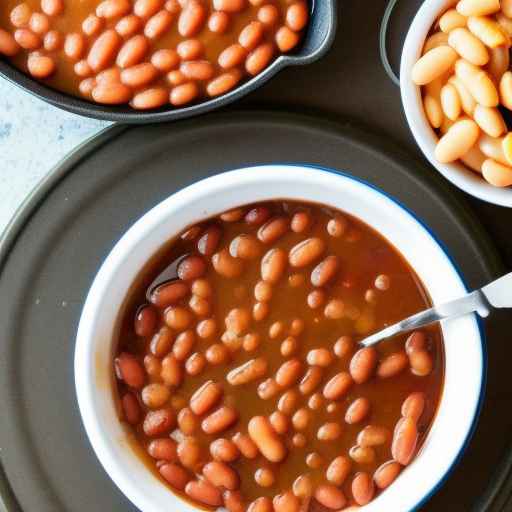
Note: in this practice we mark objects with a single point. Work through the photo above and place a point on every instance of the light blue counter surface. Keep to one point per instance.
(34, 137)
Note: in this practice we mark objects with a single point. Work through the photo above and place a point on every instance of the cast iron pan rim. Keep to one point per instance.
(363, 137)
(128, 115)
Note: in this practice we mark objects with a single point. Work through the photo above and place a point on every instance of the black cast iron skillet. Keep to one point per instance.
(318, 39)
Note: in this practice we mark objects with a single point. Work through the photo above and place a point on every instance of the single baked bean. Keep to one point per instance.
(250, 371)
(297, 16)
(238, 320)
(190, 49)
(421, 363)
(273, 265)
(337, 226)
(338, 470)
(300, 419)
(404, 440)
(490, 120)
(158, 24)
(289, 346)
(191, 19)
(324, 271)
(296, 327)
(246, 247)
(279, 422)
(357, 411)
(172, 373)
(183, 92)
(27, 39)
(363, 364)
(219, 420)
(257, 215)
(40, 66)
(133, 51)
(251, 35)
(139, 76)
(499, 63)
(157, 423)
(264, 477)
(362, 455)
(161, 342)
(82, 69)
(200, 306)
(111, 76)
(268, 15)
(299, 440)
(343, 346)
(131, 408)
(263, 291)
(286, 39)
(314, 460)
(206, 328)
(311, 380)
(372, 435)
(224, 450)
(209, 241)
(316, 401)
(175, 476)
(316, 298)
(195, 364)
(178, 317)
(221, 475)
(362, 488)
(251, 342)
(338, 386)
(113, 8)
(335, 309)
(202, 288)
(435, 40)
(52, 7)
(104, 50)
(286, 502)
(233, 215)
(450, 102)
(145, 321)
(39, 23)
(130, 370)
(225, 265)
(306, 252)
(218, 22)
(204, 492)
(433, 64)
(320, 357)
(296, 280)
(246, 445)
(268, 389)
(262, 504)
(169, 293)
(165, 59)
(187, 421)
(392, 365)
(303, 486)
(183, 345)
(478, 82)
(206, 397)
(129, 25)
(330, 497)
(329, 431)
(273, 229)
(155, 395)
(20, 15)
(276, 330)
(217, 354)
(163, 449)
(414, 406)
(86, 86)
(415, 342)
(288, 373)
(332, 408)
(266, 439)
(386, 474)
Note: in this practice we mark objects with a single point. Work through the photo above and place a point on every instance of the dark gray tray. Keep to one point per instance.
(60, 237)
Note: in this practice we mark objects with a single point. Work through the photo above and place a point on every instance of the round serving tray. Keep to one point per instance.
(57, 241)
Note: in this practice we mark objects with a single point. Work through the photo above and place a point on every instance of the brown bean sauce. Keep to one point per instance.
(366, 284)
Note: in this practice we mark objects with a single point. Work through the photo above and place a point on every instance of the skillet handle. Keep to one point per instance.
(383, 42)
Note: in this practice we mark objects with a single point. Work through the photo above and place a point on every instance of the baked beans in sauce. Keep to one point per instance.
(240, 374)
(148, 53)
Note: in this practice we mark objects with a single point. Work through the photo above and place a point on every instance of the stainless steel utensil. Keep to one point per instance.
(497, 294)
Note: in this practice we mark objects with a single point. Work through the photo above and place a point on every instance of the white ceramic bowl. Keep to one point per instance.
(457, 173)
(96, 333)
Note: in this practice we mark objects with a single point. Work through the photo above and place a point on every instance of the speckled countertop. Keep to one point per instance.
(34, 137)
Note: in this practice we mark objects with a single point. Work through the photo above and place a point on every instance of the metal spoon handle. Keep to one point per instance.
(475, 301)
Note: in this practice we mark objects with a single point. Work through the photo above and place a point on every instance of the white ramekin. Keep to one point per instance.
(462, 177)
(465, 368)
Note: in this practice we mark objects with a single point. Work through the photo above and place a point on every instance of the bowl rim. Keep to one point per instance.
(83, 342)
(125, 114)
(462, 177)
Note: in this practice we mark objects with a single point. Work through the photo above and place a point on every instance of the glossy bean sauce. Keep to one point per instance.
(243, 391)
(149, 53)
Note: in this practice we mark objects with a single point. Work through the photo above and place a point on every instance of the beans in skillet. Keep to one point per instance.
(247, 393)
(148, 53)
